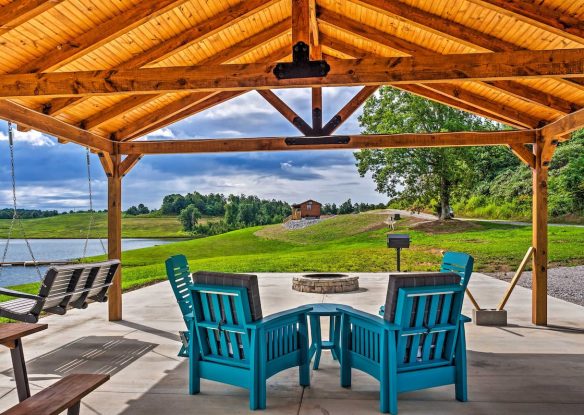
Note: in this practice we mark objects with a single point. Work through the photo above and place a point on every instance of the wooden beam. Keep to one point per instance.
(17, 12)
(465, 100)
(350, 107)
(370, 33)
(107, 163)
(355, 142)
(213, 100)
(313, 23)
(171, 109)
(99, 35)
(454, 91)
(524, 154)
(226, 55)
(516, 89)
(540, 239)
(539, 14)
(300, 21)
(424, 92)
(288, 113)
(25, 116)
(114, 236)
(478, 66)
(564, 125)
(128, 163)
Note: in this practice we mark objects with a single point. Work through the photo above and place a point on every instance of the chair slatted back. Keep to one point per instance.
(429, 319)
(58, 285)
(460, 263)
(221, 315)
(100, 279)
(179, 276)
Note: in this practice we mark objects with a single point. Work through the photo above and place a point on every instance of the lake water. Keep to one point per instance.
(57, 249)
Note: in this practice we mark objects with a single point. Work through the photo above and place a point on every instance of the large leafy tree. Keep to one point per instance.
(420, 176)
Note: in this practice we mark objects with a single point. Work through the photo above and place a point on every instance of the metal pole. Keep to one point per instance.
(398, 259)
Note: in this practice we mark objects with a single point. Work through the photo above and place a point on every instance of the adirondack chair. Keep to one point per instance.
(457, 262)
(63, 287)
(232, 344)
(179, 276)
(420, 342)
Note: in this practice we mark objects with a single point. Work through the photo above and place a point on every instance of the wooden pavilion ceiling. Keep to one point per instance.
(77, 37)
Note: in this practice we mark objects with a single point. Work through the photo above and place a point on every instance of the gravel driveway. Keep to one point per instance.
(565, 283)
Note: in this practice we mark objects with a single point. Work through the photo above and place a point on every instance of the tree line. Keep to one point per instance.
(476, 181)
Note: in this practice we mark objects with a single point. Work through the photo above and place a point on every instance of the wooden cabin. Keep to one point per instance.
(309, 209)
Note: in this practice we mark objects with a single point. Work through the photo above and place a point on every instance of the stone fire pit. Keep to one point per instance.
(325, 283)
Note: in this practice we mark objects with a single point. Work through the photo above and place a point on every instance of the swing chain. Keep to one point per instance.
(15, 216)
(91, 211)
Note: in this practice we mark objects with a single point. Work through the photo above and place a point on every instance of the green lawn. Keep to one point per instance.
(349, 243)
(74, 225)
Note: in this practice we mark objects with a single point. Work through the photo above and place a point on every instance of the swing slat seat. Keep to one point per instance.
(63, 287)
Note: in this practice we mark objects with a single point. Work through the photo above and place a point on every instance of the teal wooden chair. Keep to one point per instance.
(418, 344)
(179, 276)
(227, 345)
(457, 262)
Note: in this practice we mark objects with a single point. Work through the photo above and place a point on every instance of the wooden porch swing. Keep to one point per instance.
(62, 287)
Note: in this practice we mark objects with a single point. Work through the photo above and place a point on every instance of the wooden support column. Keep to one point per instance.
(540, 237)
(114, 235)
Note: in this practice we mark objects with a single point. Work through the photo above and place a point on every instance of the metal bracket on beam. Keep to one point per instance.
(314, 141)
(301, 65)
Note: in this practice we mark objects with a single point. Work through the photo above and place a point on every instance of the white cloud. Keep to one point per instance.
(162, 133)
(32, 137)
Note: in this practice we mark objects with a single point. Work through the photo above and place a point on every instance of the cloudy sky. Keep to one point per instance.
(54, 176)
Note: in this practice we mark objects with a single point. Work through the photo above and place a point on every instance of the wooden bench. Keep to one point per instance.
(65, 394)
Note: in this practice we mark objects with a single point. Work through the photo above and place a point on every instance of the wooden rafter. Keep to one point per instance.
(551, 134)
(128, 163)
(350, 72)
(460, 99)
(370, 33)
(21, 115)
(212, 100)
(300, 21)
(348, 109)
(355, 142)
(447, 28)
(288, 113)
(17, 12)
(100, 35)
(190, 36)
(524, 154)
(538, 14)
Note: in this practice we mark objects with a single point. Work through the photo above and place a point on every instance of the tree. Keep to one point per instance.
(346, 207)
(189, 217)
(418, 176)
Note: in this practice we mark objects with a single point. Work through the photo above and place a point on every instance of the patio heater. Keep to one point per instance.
(398, 241)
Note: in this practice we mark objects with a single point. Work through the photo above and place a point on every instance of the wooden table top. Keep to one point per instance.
(13, 331)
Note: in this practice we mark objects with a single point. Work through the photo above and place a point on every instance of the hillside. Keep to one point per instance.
(349, 243)
(74, 225)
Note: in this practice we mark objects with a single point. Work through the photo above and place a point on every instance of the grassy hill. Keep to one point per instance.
(350, 243)
(74, 225)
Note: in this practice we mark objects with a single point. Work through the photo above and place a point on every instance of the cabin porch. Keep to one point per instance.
(520, 368)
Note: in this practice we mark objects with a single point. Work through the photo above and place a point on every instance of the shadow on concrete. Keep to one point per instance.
(90, 354)
(150, 330)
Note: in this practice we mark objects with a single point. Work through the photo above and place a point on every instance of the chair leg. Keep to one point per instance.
(316, 340)
(461, 389)
(344, 358)
(392, 374)
(262, 394)
(194, 374)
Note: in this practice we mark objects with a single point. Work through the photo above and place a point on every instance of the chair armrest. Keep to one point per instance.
(465, 319)
(370, 318)
(18, 294)
(277, 318)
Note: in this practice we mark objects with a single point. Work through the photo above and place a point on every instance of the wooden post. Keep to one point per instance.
(114, 236)
(540, 238)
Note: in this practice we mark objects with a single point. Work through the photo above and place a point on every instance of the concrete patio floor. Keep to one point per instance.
(519, 369)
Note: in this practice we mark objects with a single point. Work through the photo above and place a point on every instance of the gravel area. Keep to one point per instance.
(565, 283)
(301, 224)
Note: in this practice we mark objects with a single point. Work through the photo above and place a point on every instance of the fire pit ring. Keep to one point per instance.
(325, 283)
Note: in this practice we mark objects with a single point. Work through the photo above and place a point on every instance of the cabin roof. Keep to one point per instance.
(297, 205)
(126, 37)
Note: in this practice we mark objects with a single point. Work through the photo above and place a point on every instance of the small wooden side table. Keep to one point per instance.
(10, 336)
(317, 344)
